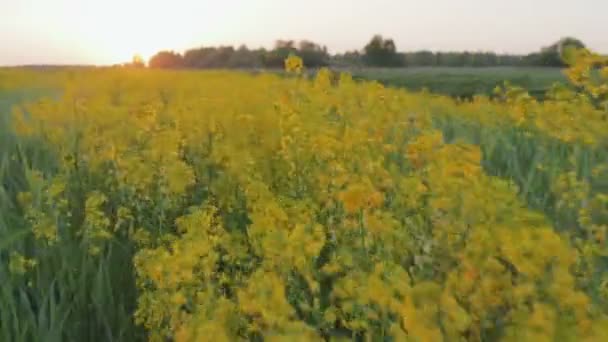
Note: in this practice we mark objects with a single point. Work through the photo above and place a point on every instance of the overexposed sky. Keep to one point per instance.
(112, 31)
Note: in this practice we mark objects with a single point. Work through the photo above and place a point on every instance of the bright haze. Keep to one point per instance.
(112, 31)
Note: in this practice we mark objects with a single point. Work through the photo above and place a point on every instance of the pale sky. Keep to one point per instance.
(112, 31)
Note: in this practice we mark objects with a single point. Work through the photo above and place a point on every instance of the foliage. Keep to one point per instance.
(381, 52)
(166, 60)
(187, 206)
(312, 54)
(221, 57)
(553, 55)
(208, 57)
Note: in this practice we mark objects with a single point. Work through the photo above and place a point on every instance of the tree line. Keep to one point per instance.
(313, 55)
(379, 52)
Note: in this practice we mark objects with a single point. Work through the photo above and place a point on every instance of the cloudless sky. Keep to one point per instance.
(112, 31)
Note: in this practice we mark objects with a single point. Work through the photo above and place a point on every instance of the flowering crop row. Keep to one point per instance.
(195, 206)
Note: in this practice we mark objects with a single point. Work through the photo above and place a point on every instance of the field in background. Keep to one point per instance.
(464, 81)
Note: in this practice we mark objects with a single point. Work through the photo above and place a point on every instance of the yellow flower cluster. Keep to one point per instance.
(565, 114)
(294, 64)
(262, 207)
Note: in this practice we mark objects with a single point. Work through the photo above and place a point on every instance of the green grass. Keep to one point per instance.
(70, 295)
(463, 81)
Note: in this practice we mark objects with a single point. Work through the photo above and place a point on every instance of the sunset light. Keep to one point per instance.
(306, 171)
(111, 31)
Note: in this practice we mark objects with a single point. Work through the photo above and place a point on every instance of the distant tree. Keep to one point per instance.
(208, 57)
(381, 52)
(378, 52)
(220, 58)
(569, 42)
(195, 58)
(549, 57)
(420, 58)
(347, 59)
(553, 55)
(166, 60)
(425, 58)
(313, 55)
(532, 59)
(510, 60)
(490, 59)
(276, 57)
(467, 59)
(453, 59)
(245, 58)
(285, 44)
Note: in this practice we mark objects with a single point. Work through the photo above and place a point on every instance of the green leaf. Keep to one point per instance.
(6, 241)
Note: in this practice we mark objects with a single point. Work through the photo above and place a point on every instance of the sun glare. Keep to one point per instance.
(122, 46)
(115, 36)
